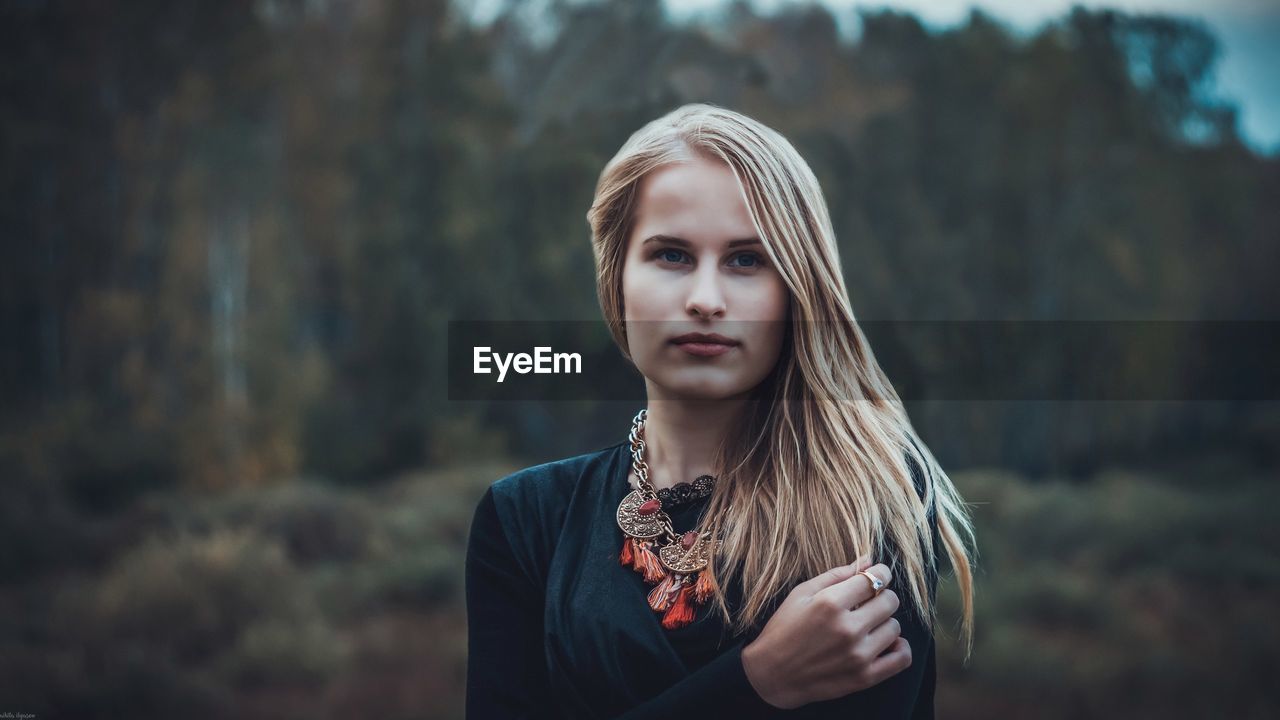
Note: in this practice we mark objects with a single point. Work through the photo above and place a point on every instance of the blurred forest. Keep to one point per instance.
(234, 233)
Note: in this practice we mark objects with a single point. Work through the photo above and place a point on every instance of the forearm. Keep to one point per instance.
(718, 689)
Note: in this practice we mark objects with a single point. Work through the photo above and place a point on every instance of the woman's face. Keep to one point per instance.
(694, 264)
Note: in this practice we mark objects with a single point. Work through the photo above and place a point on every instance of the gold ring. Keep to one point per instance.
(876, 583)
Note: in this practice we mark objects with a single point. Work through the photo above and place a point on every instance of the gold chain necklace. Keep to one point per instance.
(679, 557)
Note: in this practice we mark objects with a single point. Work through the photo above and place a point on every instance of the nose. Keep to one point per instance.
(706, 299)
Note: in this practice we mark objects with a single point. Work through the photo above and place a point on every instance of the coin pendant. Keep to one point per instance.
(687, 555)
(639, 524)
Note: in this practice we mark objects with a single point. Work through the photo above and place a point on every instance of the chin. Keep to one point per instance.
(703, 386)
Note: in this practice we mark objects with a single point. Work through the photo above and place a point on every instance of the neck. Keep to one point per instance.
(681, 437)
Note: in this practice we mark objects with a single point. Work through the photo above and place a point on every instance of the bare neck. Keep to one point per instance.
(681, 438)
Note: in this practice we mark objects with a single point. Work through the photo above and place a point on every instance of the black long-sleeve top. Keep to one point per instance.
(558, 628)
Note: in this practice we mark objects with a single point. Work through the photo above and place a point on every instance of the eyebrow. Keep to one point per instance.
(685, 243)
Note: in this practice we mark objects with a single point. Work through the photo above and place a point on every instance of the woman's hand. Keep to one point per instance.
(830, 637)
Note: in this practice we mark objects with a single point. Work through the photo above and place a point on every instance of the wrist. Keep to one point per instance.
(758, 676)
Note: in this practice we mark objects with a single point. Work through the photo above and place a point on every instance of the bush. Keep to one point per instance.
(230, 600)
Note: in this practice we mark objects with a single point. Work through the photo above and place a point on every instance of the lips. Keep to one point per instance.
(704, 344)
(704, 339)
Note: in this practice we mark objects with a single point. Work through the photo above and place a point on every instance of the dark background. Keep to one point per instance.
(232, 482)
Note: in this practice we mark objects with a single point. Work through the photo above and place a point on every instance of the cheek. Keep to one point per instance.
(631, 297)
(779, 302)
(643, 294)
(771, 309)
(767, 301)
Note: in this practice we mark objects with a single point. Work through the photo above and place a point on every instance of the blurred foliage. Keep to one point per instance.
(297, 600)
(234, 233)
(1129, 596)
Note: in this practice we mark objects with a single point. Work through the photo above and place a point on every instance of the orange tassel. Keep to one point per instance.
(682, 612)
(661, 596)
(628, 556)
(648, 563)
(705, 586)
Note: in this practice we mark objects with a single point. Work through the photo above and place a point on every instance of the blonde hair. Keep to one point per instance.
(815, 474)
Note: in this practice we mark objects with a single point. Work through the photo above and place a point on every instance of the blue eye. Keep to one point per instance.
(678, 257)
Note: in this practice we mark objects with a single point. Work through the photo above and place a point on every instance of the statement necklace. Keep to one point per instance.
(679, 565)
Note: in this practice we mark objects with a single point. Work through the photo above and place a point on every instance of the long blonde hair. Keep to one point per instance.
(815, 474)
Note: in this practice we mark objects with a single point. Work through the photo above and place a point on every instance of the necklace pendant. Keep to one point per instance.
(688, 555)
(640, 517)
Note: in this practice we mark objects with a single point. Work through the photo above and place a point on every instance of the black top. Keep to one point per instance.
(558, 628)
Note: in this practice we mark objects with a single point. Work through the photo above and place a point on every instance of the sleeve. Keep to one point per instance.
(718, 689)
(506, 666)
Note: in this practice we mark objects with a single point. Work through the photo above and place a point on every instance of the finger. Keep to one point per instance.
(893, 661)
(855, 589)
(883, 636)
(877, 610)
(832, 576)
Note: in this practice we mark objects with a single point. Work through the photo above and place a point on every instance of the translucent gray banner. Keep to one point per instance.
(925, 360)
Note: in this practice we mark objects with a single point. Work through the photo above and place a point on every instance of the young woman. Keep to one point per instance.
(763, 541)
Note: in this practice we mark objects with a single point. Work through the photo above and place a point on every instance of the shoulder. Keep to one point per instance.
(550, 482)
(533, 501)
(528, 507)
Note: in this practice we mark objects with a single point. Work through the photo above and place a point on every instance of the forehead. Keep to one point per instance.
(696, 199)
